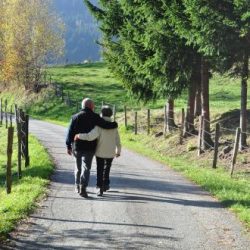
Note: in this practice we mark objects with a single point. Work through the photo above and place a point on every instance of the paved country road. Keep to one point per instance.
(149, 206)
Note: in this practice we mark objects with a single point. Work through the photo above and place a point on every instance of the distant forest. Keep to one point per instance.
(81, 31)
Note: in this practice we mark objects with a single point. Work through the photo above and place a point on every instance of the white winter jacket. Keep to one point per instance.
(108, 140)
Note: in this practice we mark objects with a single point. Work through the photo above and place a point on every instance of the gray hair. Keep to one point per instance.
(106, 111)
(87, 103)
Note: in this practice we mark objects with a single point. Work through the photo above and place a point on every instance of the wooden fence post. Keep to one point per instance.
(148, 121)
(182, 125)
(27, 158)
(165, 119)
(135, 122)
(216, 144)
(16, 111)
(19, 151)
(11, 115)
(9, 157)
(201, 121)
(1, 112)
(22, 130)
(235, 150)
(6, 116)
(186, 125)
(125, 116)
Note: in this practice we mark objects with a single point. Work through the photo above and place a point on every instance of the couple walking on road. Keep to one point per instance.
(90, 134)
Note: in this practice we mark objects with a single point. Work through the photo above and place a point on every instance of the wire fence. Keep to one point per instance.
(221, 145)
(14, 143)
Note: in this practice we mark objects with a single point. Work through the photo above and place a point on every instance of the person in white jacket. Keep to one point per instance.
(108, 147)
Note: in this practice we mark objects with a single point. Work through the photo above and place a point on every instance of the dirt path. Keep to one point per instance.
(149, 206)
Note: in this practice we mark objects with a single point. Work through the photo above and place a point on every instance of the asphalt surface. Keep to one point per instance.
(149, 206)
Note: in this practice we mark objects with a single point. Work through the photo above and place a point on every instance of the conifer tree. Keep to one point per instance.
(143, 50)
(183, 27)
(222, 32)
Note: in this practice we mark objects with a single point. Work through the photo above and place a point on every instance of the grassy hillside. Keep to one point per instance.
(97, 82)
(79, 81)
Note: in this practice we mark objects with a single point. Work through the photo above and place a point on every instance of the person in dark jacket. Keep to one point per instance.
(83, 151)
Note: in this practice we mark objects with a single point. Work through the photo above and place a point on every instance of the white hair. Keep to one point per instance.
(87, 103)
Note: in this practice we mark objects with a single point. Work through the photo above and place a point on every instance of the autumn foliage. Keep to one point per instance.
(30, 36)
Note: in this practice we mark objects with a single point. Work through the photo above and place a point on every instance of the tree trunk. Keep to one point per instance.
(189, 127)
(243, 111)
(197, 111)
(206, 137)
(170, 115)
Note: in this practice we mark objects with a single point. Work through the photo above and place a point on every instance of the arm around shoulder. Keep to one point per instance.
(105, 124)
(91, 136)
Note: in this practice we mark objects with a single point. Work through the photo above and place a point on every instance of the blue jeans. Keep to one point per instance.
(82, 167)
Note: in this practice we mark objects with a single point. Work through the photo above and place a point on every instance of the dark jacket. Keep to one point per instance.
(84, 122)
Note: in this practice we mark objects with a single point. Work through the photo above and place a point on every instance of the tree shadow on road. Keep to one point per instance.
(85, 236)
(144, 198)
(142, 190)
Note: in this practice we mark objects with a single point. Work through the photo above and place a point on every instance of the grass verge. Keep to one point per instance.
(26, 191)
(233, 193)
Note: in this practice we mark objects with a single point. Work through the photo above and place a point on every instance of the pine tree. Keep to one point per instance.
(185, 27)
(142, 49)
(222, 33)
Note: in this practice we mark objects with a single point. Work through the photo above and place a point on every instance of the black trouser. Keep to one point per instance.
(103, 170)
